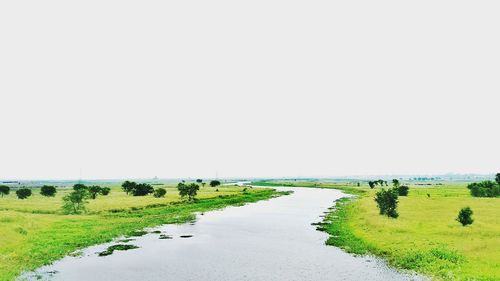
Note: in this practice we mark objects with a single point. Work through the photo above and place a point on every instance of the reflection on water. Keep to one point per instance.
(267, 240)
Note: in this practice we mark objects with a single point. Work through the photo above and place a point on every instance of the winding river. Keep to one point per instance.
(267, 240)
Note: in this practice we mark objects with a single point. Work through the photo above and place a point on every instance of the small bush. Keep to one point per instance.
(23, 193)
(48, 191)
(465, 216)
(387, 202)
(403, 190)
(4, 190)
(160, 192)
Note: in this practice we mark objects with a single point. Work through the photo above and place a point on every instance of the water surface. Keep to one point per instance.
(267, 240)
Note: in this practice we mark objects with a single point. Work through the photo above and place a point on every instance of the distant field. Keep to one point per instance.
(426, 236)
(117, 200)
(33, 232)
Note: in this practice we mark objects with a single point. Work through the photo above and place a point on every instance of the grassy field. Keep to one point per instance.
(425, 237)
(33, 232)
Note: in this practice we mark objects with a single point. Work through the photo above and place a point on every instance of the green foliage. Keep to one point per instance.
(484, 189)
(117, 247)
(94, 190)
(214, 183)
(23, 193)
(4, 190)
(403, 190)
(137, 189)
(199, 180)
(128, 186)
(74, 202)
(160, 192)
(387, 202)
(395, 183)
(105, 191)
(341, 235)
(189, 190)
(142, 189)
(465, 216)
(497, 178)
(371, 184)
(79, 186)
(48, 190)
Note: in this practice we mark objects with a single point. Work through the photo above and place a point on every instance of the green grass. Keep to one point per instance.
(34, 233)
(426, 237)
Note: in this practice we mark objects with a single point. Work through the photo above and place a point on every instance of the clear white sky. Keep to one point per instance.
(126, 89)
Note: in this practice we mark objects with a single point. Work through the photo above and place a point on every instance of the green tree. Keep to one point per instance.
(94, 190)
(48, 191)
(159, 192)
(105, 191)
(189, 190)
(199, 180)
(79, 186)
(214, 183)
(23, 193)
(128, 186)
(371, 184)
(387, 202)
(497, 178)
(74, 202)
(465, 216)
(142, 189)
(395, 183)
(4, 190)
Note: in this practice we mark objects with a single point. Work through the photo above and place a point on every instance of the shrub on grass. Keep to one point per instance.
(105, 191)
(74, 203)
(465, 216)
(4, 190)
(160, 192)
(371, 184)
(23, 193)
(214, 183)
(387, 202)
(48, 191)
(403, 190)
(484, 189)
